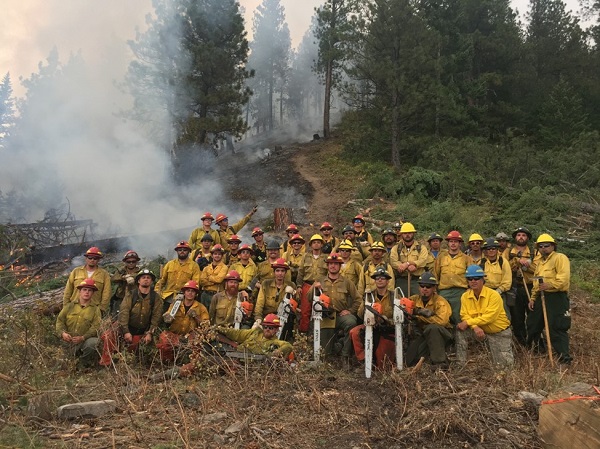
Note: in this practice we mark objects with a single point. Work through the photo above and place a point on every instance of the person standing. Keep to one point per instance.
(90, 270)
(213, 275)
(225, 231)
(409, 259)
(206, 228)
(176, 273)
(551, 284)
(313, 267)
(124, 278)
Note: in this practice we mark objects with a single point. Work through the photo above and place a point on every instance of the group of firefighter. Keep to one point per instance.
(260, 296)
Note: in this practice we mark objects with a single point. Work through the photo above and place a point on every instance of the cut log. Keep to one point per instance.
(571, 418)
(282, 218)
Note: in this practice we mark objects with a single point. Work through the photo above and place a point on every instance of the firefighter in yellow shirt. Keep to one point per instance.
(198, 233)
(176, 273)
(498, 274)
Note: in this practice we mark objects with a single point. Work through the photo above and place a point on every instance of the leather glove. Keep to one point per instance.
(167, 318)
(130, 279)
(192, 313)
(425, 312)
(257, 324)
(499, 291)
(179, 297)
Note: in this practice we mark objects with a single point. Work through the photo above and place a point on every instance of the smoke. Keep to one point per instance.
(73, 144)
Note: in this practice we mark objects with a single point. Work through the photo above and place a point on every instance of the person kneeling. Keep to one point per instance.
(183, 318)
(432, 330)
(78, 323)
(483, 317)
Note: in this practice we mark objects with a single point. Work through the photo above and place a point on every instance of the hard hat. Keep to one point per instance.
(131, 255)
(207, 216)
(524, 230)
(217, 248)
(94, 251)
(183, 244)
(192, 285)
(87, 283)
(234, 239)
(435, 236)
(475, 238)
(291, 227)
(377, 245)
(315, 237)
(454, 235)
(545, 238)
(207, 238)
(348, 229)
(221, 217)
(271, 320)
(428, 278)
(502, 236)
(490, 242)
(273, 245)
(474, 271)
(388, 231)
(346, 244)
(280, 263)
(325, 225)
(257, 231)
(380, 272)
(246, 247)
(297, 238)
(358, 219)
(407, 227)
(233, 276)
(143, 272)
(397, 226)
(334, 258)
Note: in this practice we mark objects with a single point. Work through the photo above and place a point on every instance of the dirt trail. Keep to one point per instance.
(328, 197)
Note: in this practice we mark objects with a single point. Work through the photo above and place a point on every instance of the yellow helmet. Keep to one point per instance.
(475, 238)
(407, 227)
(377, 245)
(346, 244)
(545, 238)
(315, 237)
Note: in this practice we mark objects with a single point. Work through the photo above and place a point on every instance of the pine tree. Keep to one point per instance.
(190, 70)
(270, 60)
(7, 110)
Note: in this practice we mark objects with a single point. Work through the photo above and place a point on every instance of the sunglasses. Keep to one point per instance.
(474, 243)
(474, 279)
(257, 234)
(181, 250)
(544, 245)
(131, 261)
(92, 257)
(425, 286)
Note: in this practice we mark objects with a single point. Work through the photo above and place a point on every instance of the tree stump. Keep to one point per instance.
(282, 218)
(571, 419)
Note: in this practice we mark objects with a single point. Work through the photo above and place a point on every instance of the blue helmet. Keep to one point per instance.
(474, 271)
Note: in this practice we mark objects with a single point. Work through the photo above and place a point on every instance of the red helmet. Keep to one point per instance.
(256, 231)
(246, 247)
(454, 235)
(216, 248)
(131, 255)
(234, 239)
(334, 258)
(233, 276)
(360, 218)
(94, 251)
(88, 283)
(221, 217)
(325, 225)
(191, 284)
(207, 216)
(297, 238)
(271, 320)
(183, 244)
(280, 263)
(291, 227)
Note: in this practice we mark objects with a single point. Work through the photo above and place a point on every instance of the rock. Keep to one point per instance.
(503, 432)
(40, 406)
(92, 409)
(531, 398)
(191, 400)
(236, 427)
(219, 439)
(214, 417)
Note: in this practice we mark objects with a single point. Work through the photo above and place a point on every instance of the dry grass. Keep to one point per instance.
(276, 405)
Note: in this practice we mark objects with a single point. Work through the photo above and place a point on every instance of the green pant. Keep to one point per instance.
(87, 351)
(343, 324)
(430, 342)
(559, 323)
(499, 344)
(453, 295)
(402, 282)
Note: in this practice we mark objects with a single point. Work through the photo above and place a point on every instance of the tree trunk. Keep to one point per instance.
(327, 104)
(395, 130)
